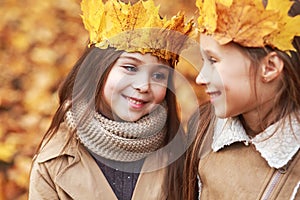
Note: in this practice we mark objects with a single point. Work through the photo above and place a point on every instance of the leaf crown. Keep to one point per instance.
(249, 23)
(135, 28)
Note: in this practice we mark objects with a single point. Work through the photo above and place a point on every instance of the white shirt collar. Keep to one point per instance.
(277, 149)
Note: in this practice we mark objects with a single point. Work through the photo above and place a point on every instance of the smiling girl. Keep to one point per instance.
(117, 112)
(126, 90)
(248, 135)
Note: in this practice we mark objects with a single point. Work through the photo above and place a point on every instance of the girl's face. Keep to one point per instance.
(135, 86)
(226, 75)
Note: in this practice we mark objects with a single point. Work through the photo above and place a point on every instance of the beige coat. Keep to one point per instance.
(239, 172)
(74, 174)
(233, 166)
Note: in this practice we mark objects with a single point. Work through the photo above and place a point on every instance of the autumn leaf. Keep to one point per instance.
(115, 17)
(7, 151)
(154, 19)
(226, 3)
(249, 23)
(245, 24)
(207, 19)
(93, 14)
(126, 17)
(288, 27)
(123, 17)
(242, 21)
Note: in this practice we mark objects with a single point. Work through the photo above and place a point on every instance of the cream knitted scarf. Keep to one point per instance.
(119, 141)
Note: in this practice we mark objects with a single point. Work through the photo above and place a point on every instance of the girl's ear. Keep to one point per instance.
(272, 66)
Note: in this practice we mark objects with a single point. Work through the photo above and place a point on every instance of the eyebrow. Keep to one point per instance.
(132, 58)
(162, 66)
(207, 51)
(142, 62)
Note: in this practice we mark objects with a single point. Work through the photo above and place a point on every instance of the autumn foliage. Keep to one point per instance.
(249, 22)
(39, 43)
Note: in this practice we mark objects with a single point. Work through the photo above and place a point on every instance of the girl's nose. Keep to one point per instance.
(200, 80)
(143, 88)
(141, 83)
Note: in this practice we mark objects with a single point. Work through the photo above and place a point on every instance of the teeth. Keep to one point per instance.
(134, 101)
(214, 94)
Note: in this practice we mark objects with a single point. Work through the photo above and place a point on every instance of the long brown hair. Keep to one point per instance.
(93, 67)
(198, 125)
(286, 101)
(94, 63)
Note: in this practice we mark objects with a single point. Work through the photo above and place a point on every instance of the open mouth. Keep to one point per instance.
(135, 101)
(214, 95)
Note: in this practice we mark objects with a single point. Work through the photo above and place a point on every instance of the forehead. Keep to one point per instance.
(208, 43)
(146, 58)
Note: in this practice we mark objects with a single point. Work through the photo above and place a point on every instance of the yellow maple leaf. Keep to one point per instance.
(115, 20)
(249, 22)
(176, 23)
(121, 17)
(225, 2)
(207, 19)
(93, 13)
(138, 16)
(283, 39)
(244, 22)
(120, 25)
(126, 17)
(154, 19)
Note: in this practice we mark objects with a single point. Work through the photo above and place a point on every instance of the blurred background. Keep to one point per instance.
(39, 43)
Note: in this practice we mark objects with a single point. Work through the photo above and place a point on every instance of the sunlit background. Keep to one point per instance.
(39, 43)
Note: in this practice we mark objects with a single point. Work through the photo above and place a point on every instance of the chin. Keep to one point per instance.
(220, 114)
(129, 118)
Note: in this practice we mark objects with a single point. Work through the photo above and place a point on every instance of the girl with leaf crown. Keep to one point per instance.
(116, 133)
(248, 134)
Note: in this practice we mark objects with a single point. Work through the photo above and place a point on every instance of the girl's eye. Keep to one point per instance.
(130, 68)
(159, 76)
(212, 60)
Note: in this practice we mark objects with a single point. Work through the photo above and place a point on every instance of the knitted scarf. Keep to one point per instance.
(119, 141)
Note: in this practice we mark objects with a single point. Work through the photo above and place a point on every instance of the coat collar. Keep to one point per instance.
(277, 149)
(81, 173)
(55, 147)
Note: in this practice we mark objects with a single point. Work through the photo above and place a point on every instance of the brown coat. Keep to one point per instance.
(239, 172)
(74, 174)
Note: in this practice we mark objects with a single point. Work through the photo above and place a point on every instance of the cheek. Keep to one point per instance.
(108, 91)
(159, 94)
(114, 85)
(219, 79)
(234, 88)
(239, 94)
(107, 94)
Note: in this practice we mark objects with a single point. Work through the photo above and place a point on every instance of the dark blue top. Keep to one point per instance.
(122, 176)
